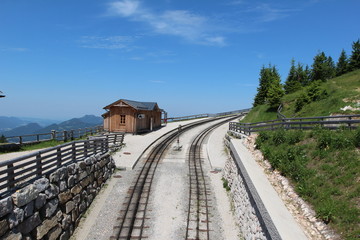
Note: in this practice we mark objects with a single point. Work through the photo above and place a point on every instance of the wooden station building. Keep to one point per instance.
(132, 116)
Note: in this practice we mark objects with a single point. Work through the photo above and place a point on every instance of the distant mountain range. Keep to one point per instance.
(11, 126)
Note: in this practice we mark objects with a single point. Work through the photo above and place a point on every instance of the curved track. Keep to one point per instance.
(130, 223)
(198, 211)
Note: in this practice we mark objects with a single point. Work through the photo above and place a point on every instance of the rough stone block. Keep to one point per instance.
(6, 206)
(44, 228)
(69, 206)
(63, 173)
(54, 233)
(4, 227)
(62, 186)
(54, 177)
(65, 196)
(52, 191)
(82, 165)
(76, 189)
(85, 182)
(82, 175)
(74, 214)
(16, 217)
(65, 236)
(29, 209)
(42, 184)
(72, 168)
(12, 236)
(40, 201)
(65, 224)
(29, 224)
(71, 181)
(82, 207)
(50, 208)
(25, 195)
(77, 199)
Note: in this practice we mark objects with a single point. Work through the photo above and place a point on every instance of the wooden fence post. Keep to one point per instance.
(86, 148)
(38, 164)
(349, 124)
(53, 135)
(11, 176)
(58, 159)
(65, 136)
(20, 140)
(73, 149)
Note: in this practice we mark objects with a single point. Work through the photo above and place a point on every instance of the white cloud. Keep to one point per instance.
(185, 24)
(269, 13)
(111, 42)
(124, 8)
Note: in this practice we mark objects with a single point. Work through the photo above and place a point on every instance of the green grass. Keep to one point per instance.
(341, 91)
(324, 167)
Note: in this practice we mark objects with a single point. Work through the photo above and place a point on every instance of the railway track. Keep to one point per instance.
(131, 221)
(198, 208)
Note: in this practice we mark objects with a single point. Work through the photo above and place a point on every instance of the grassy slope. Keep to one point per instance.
(324, 170)
(345, 87)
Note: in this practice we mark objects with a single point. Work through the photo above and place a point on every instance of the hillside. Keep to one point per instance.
(322, 165)
(74, 123)
(341, 92)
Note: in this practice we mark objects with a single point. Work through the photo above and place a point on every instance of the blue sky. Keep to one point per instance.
(64, 59)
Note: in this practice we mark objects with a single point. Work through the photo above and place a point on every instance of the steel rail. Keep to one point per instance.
(135, 205)
(198, 209)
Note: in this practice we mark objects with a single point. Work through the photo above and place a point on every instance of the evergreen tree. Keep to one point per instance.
(270, 89)
(303, 74)
(292, 82)
(262, 90)
(342, 65)
(323, 68)
(355, 56)
(3, 139)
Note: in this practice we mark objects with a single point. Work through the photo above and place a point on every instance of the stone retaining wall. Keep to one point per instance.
(250, 213)
(51, 207)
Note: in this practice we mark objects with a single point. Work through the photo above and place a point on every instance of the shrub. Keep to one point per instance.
(294, 137)
(301, 102)
(279, 136)
(357, 137)
(263, 137)
(323, 139)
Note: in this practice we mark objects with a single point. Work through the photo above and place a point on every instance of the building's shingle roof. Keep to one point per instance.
(141, 105)
(148, 106)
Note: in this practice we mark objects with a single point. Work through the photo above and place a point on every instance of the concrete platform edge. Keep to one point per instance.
(266, 222)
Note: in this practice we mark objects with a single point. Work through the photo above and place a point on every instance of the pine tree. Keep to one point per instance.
(342, 65)
(3, 139)
(323, 68)
(270, 89)
(355, 56)
(292, 83)
(262, 90)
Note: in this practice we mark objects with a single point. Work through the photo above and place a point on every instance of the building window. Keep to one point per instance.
(122, 119)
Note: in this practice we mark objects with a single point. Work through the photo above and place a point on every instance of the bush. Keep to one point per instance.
(301, 102)
(323, 139)
(357, 137)
(279, 136)
(293, 137)
(263, 137)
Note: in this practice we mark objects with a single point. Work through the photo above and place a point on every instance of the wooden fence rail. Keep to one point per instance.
(16, 172)
(54, 135)
(330, 122)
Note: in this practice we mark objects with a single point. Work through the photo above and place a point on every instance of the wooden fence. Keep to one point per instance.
(174, 119)
(331, 122)
(54, 135)
(15, 172)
